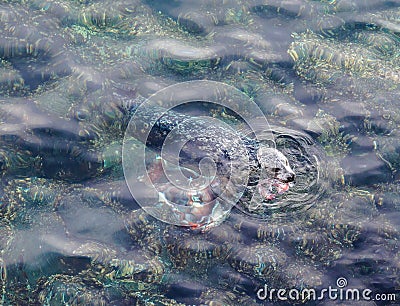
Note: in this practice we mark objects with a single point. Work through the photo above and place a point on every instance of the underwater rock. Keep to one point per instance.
(225, 297)
(53, 143)
(84, 214)
(61, 289)
(351, 115)
(193, 252)
(361, 144)
(259, 260)
(184, 289)
(197, 22)
(181, 57)
(278, 104)
(365, 170)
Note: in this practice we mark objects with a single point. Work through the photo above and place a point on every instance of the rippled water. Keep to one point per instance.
(326, 76)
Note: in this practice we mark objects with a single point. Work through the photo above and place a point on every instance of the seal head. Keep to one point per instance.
(276, 164)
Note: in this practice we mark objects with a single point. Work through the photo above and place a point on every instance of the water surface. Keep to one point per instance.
(324, 73)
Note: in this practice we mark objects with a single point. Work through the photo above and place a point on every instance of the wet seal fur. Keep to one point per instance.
(225, 150)
(276, 164)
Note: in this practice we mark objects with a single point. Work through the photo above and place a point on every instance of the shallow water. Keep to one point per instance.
(319, 80)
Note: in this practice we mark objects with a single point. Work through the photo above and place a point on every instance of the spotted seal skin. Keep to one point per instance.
(225, 151)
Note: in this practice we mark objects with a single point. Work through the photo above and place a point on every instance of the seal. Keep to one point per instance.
(229, 151)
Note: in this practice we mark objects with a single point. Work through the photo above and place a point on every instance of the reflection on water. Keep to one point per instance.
(326, 76)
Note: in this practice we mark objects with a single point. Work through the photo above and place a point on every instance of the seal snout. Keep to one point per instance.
(289, 177)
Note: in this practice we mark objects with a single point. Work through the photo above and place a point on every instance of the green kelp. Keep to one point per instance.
(39, 203)
(355, 75)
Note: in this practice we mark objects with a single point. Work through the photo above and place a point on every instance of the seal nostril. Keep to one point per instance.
(291, 177)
